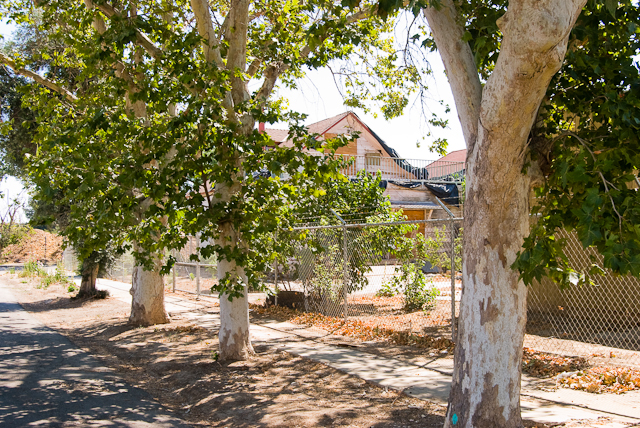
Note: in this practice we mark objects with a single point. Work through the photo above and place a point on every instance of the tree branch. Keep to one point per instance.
(204, 24)
(237, 57)
(275, 69)
(38, 79)
(460, 66)
(155, 52)
(604, 180)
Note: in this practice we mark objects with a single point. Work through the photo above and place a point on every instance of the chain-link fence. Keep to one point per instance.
(69, 260)
(398, 276)
(187, 275)
(193, 276)
(394, 276)
(594, 321)
(121, 269)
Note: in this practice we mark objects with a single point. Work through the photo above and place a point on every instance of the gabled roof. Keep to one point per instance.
(449, 164)
(281, 135)
(455, 156)
(326, 124)
(277, 135)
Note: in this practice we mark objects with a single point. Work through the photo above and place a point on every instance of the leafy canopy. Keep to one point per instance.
(150, 138)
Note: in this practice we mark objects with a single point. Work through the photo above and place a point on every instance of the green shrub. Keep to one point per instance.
(387, 290)
(31, 269)
(60, 275)
(418, 293)
(13, 233)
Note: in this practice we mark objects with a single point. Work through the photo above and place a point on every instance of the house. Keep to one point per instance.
(411, 184)
(452, 165)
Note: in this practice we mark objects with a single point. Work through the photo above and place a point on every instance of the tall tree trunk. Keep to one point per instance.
(147, 292)
(147, 287)
(488, 357)
(89, 277)
(486, 383)
(234, 337)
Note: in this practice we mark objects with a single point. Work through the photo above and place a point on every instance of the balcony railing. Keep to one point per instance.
(406, 169)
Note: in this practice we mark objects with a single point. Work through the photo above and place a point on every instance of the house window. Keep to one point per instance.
(372, 159)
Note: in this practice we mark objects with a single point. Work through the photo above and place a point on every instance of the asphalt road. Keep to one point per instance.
(46, 381)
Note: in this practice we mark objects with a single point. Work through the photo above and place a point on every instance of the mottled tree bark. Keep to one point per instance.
(147, 296)
(234, 337)
(89, 277)
(486, 383)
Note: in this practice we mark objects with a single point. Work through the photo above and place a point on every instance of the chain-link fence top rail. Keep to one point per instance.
(586, 320)
(392, 275)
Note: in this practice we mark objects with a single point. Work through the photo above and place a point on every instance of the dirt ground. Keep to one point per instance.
(176, 363)
(37, 245)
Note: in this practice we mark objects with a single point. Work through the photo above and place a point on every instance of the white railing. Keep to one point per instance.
(405, 169)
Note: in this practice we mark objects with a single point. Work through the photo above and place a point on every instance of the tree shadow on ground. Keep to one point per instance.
(177, 364)
(46, 381)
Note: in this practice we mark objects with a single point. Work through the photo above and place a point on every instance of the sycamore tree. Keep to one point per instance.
(572, 137)
(18, 128)
(161, 143)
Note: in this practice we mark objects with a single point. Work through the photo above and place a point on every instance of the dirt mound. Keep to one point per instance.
(32, 248)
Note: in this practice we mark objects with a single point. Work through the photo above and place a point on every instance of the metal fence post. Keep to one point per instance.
(275, 280)
(453, 268)
(345, 279)
(173, 272)
(198, 268)
(453, 282)
(345, 273)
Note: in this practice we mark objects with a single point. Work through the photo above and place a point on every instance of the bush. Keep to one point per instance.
(31, 269)
(387, 290)
(418, 293)
(435, 249)
(34, 270)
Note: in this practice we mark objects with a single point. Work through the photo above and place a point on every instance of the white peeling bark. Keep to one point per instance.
(486, 383)
(234, 337)
(147, 287)
(237, 57)
(147, 292)
(460, 66)
(204, 23)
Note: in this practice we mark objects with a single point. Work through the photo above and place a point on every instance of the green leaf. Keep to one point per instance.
(612, 6)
